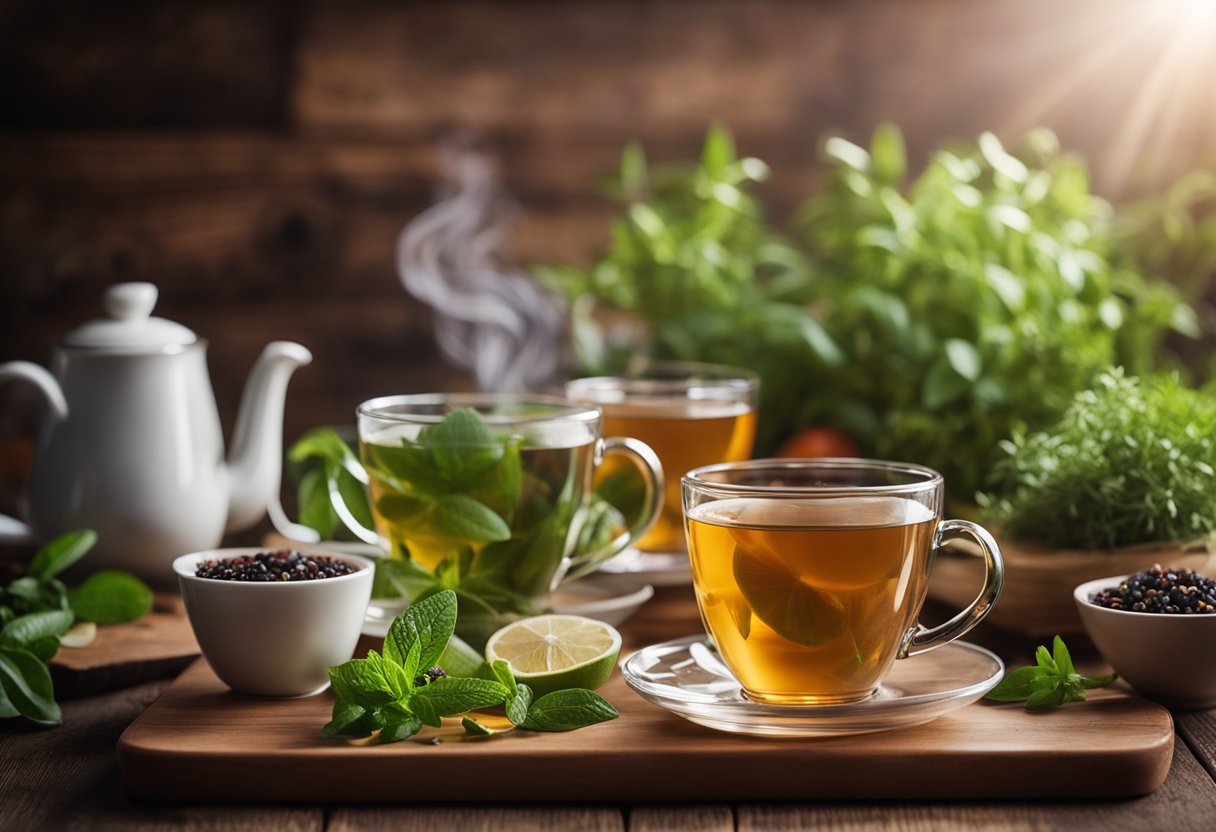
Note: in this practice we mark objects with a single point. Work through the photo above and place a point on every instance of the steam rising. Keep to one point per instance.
(490, 320)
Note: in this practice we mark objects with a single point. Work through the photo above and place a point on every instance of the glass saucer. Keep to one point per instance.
(655, 568)
(686, 677)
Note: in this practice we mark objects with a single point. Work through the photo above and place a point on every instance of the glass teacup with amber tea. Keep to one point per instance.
(810, 574)
(691, 415)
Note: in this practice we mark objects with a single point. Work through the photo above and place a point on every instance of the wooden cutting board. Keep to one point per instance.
(157, 646)
(200, 741)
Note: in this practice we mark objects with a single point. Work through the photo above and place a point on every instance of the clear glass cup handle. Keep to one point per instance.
(921, 639)
(652, 472)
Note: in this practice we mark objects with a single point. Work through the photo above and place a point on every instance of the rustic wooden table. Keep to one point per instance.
(67, 778)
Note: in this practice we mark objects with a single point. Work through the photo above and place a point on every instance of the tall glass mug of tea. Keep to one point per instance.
(690, 414)
(492, 493)
(810, 574)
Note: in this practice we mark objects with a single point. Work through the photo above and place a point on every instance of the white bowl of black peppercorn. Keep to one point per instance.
(1152, 642)
(270, 623)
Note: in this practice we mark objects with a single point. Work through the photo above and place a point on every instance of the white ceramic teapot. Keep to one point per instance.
(132, 445)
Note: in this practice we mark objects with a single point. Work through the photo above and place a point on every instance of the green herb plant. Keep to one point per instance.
(1132, 460)
(423, 675)
(1050, 681)
(928, 317)
(37, 609)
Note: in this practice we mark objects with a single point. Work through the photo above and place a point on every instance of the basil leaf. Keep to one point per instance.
(447, 696)
(1060, 657)
(403, 510)
(27, 684)
(399, 729)
(36, 626)
(1044, 660)
(1096, 681)
(566, 710)
(60, 553)
(1046, 698)
(1017, 685)
(502, 672)
(429, 623)
(464, 518)
(111, 596)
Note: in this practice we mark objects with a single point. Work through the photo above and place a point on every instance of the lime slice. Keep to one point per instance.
(555, 652)
(778, 597)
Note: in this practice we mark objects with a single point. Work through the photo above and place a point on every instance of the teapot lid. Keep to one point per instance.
(129, 323)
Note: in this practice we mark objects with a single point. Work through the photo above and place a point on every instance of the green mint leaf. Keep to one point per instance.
(518, 705)
(1044, 660)
(410, 666)
(1046, 698)
(1018, 684)
(111, 596)
(316, 512)
(408, 464)
(502, 672)
(462, 428)
(429, 623)
(462, 517)
(1088, 682)
(326, 445)
(398, 578)
(402, 509)
(500, 489)
(474, 728)
(347, 720)
(61, 553)
(425, 710)
(1060, 657)
(7, 709)
(566, 710)
(448, 697)
(395, 730)
(35, 626)
(393, 675)
(44, 648)
(360, 682)
(460, 660)
(352, 491)
(27, 686)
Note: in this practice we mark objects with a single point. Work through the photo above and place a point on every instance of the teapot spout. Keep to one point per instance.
(255, 461)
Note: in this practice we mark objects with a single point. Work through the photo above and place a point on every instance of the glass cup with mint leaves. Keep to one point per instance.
(490, 495)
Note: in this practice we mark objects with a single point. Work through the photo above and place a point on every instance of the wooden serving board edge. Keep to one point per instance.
(661, 768)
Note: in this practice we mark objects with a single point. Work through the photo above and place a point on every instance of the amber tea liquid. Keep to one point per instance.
(808, 600)
(685, 435)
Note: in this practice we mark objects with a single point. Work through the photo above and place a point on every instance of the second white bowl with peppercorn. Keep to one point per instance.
(1151, 642)
(270, 623)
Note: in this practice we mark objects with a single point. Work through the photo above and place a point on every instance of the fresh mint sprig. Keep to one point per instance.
(37, 609)
(1050, 681)
(415, 681)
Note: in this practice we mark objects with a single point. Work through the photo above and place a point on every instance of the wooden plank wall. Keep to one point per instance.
(257, 159)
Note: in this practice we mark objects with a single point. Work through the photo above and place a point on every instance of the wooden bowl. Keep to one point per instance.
(1037, 599)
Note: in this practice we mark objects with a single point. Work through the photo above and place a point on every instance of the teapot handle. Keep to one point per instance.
(11, 529)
